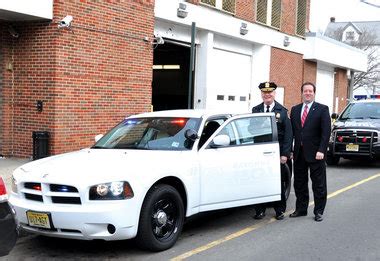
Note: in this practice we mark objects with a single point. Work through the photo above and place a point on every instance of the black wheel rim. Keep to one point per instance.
(164, 218)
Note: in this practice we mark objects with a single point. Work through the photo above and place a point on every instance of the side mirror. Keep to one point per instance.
(221, 141)
(98, 137)
(334, 116)
(191, 134)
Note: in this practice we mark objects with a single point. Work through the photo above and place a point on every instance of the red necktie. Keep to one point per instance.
(304, 115)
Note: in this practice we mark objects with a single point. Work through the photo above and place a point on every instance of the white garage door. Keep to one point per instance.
(325, 88)
(230, 81)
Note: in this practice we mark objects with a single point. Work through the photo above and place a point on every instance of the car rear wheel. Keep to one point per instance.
(161, 218)
(287, 179)
(332, 160)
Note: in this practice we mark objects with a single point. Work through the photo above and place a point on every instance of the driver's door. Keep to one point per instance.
(245, 171)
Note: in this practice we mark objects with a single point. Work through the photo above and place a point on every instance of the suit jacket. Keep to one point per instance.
(314, 135)
(284, 127)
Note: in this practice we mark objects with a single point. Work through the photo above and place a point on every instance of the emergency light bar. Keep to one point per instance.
(364, 97)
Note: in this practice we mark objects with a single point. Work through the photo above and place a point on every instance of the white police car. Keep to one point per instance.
(147, 174)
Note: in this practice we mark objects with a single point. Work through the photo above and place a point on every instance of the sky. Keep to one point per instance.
(343, 11)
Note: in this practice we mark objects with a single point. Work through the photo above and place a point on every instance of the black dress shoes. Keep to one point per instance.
(298, 214)
(259, 215)
(318, 217)
(280, 215)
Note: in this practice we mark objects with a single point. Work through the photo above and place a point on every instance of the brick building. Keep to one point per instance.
(77, 81)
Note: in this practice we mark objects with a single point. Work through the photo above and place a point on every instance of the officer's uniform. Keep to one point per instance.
(285, 138)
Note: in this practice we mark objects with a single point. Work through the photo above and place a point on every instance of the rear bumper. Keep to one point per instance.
(8, 229)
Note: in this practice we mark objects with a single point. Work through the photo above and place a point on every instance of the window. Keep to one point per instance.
(225, 5)
(251, 130)
(350, 36)
(269, 12)
(301, 17)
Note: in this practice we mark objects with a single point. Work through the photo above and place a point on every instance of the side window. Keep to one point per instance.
(250, 130)
(255, 130)
(210, 127)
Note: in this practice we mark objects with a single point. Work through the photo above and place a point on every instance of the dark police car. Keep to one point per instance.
(8, 228)
(356, 132)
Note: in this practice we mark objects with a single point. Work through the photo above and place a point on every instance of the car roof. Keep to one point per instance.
(189, 113)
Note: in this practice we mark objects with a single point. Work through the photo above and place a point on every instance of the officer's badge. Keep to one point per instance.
(278, 116)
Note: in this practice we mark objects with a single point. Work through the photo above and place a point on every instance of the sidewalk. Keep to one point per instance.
(7, 165)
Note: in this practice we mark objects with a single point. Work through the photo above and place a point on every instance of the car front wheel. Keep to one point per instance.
(161, 218)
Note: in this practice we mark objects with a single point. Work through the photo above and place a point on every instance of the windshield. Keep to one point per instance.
(370, 110)
(150, 134)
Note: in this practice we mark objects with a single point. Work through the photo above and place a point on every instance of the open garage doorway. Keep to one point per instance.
(170, 87)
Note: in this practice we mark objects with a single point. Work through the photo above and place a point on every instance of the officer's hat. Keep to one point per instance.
(267, 86)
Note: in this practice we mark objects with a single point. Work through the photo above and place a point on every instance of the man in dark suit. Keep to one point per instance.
(285, 138)
(311, 129)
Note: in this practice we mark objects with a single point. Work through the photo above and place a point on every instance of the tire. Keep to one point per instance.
(332, 160)
(287, 179)
(161, 218)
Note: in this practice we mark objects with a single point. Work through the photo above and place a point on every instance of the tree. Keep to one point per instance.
(369, 43)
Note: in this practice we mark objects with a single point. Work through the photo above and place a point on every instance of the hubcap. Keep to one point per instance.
(164, 218)
(161, 217)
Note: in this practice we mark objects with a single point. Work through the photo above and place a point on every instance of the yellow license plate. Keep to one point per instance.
(352, 147)
(37, 219)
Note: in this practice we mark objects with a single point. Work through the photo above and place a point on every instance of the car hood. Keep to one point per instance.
(358, 123)
(97, 165)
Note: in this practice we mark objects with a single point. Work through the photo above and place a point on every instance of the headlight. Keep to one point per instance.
(14, 185)
(111, 191)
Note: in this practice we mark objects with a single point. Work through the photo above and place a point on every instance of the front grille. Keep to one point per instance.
(51, 193)
(33, 197)
(62, 188)
(364, 139)
(32, 185)
(66, 200)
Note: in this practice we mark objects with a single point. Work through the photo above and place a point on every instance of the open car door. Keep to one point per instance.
(240, 163)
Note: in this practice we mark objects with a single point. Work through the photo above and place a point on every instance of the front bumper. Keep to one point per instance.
(337, 150)
(86, 222)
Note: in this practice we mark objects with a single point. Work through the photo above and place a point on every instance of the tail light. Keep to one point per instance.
(3, 191)
(364, 139)
(340, 138)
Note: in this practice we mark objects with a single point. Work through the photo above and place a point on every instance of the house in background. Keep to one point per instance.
(365, 36)
(117, 58)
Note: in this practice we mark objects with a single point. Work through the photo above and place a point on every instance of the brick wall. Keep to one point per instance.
(288, 16)
(245, 10)
(340, 88)
(287, 71)
(89, 77)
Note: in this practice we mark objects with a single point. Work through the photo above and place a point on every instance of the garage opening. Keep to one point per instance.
(170, 87)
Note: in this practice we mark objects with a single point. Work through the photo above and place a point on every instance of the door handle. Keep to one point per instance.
(268, 152)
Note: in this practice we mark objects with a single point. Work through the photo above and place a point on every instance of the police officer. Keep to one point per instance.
(285, 136)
